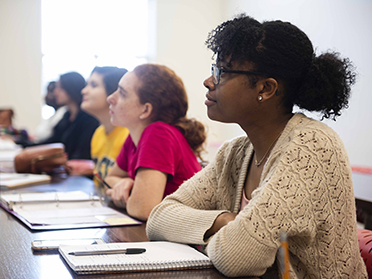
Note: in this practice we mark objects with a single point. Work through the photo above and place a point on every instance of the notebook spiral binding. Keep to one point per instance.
(140, 267)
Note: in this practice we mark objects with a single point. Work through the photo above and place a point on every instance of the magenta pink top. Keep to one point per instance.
(162, 147)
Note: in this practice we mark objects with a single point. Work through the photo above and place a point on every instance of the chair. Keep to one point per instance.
(365, 247)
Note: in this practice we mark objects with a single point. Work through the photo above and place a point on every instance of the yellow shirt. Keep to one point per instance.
(105, 148)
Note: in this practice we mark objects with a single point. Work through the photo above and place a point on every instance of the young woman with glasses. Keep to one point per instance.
(290, 174)
(163, 144)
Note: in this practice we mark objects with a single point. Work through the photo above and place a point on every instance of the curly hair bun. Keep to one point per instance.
(326, 87)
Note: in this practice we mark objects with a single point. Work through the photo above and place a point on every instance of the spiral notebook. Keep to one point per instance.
(159, 256)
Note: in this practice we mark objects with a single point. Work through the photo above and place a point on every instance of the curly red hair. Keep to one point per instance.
(165, 91)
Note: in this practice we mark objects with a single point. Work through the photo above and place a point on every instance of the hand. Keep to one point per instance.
(221, 220)
(121, 191)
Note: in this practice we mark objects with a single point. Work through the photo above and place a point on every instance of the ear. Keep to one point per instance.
(146, 111)
(268, 88)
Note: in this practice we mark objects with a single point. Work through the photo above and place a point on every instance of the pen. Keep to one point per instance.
(284, 255)
(101, 179)
(107, 252)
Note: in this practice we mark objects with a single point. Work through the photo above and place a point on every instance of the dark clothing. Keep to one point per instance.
(75, 135)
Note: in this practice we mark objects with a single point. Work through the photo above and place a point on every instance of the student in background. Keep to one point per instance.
(45, 129)
(108, 139)
(289, 174)
(6, 117)
(162, 148)
(76, 128)
(7, 129)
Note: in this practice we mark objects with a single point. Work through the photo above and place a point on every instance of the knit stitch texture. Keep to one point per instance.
(305, 190)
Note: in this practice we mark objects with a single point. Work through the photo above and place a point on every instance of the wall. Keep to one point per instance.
(340, 25)
(20, 56)
(182, 27)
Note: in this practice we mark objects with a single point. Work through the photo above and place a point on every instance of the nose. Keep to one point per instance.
(208, 83)
(110, 98)
(84, 90)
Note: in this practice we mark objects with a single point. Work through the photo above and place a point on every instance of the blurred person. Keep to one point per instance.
(8, 131)
(50, 98)
(45, 129)
(6, 117)
(76, 127)
(107, 139)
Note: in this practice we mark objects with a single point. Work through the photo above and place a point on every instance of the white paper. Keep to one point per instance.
(158, 255)
(59, 208)
(66, 213)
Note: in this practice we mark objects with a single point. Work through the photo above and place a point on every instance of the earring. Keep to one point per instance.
(260, 98)
(141, 117)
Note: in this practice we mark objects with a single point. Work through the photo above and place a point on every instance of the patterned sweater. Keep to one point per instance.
(305, 190)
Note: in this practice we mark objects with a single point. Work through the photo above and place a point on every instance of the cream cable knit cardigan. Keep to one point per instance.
(305, 190)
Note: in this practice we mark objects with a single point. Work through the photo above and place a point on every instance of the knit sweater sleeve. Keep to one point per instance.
(188, 213)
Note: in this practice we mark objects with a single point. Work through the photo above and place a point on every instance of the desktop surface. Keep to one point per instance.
(18, 260)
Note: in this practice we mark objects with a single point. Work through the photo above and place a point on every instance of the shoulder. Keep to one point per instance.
(306, 146)
(161, 126)
(64, 121)
(119, 136)
(86, 118)
(163, 131)
(234, 147)
(59, 113)
(231, 155)
(98, 133)
(66, 115)
(305, 131)
(120, 131)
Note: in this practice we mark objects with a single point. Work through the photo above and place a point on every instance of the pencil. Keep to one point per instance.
(284, 255)
(101, 179)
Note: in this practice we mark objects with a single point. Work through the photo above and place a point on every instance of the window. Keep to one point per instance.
(78, 35)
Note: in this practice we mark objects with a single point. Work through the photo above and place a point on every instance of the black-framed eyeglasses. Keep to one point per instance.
(216, 73)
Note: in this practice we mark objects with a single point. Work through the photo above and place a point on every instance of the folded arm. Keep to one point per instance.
(139, 196)
(187, 214)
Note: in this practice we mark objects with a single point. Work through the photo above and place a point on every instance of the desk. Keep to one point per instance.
(19, 261)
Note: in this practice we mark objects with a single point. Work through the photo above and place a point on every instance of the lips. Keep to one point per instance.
(209, 97)
(209, 101)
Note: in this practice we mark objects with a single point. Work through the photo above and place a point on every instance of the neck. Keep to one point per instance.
(73, 109)
(264, 135)
(104, 119)
(137, 131)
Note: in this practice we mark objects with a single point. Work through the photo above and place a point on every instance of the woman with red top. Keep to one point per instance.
(162, 148)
